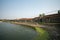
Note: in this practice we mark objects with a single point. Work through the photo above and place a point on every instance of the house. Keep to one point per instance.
(53, 18)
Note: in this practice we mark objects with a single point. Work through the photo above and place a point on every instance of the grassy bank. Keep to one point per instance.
(42, 34)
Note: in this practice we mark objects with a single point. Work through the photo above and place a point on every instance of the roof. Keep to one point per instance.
(52, 16)
(26, 19)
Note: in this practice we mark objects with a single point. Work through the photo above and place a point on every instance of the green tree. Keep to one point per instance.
(41, 15)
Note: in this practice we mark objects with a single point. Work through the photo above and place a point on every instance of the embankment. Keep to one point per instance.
(51, 30)
(42, 34)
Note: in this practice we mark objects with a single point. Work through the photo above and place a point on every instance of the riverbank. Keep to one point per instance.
(51, 29)
(54, 31)
(29, 24)
(42, 34)
(10, 31)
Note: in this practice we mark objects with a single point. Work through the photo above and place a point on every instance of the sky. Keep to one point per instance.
(12, 9)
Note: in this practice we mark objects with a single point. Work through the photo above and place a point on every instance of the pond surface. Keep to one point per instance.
(16, 32)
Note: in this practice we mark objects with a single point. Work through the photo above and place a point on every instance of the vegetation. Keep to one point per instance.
(42, 34)
(41, 15)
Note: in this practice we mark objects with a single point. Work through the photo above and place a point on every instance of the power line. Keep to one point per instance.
(53, 11)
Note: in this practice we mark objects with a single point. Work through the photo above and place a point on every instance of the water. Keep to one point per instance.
(16, 32)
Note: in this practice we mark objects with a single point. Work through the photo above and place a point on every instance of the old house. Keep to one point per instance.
(53, 18)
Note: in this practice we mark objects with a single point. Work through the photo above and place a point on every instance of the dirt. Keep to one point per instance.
(54, 31)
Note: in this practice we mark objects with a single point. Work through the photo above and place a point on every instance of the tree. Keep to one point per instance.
(58, 11)
(41, 15)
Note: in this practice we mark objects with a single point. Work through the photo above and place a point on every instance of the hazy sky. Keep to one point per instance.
(11, 9)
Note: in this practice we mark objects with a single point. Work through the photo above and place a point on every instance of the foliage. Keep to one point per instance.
(41, 15)
(42, 34)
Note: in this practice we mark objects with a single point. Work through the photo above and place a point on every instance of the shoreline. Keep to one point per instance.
(50, 29)
(29, 24)
(42, 33)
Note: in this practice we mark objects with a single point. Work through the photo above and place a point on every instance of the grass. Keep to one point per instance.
(42, 34)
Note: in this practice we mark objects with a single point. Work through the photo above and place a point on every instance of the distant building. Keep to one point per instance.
(37, 19)
(53, 18)
(25, 20)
